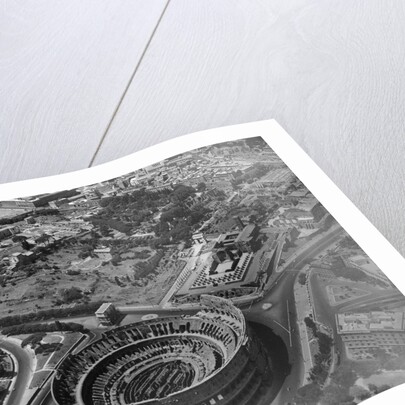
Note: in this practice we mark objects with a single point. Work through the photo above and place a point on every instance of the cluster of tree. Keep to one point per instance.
(40, 329)
(180, 193)
(14, 219)
(318, 211)
(319, 371)
(256, 142)
(308, 394)
(253, 173)
(178, 223)
(289, 243)
(349, 242)
(374, 389)
(148, 268)
(31, 268)
(328, 222)
(33, 339)
(125, 245)
(43, 315)
(71, 294)
(116, 259)
(124, 213)
(339, 269)
(106, 223)
(201, 187)
(118, 247)
(142, 255)
(175, 212)
(336, 393)
(47, 247)
(342, 389)
(132, 208)
(309, 322)
(260, 209)
(21, 217)
(3, 280)
(173, 232)
(302, 279)
(4, 372)
(342, 380)
(87, 247)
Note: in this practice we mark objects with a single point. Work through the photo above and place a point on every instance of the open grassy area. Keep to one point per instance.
(69, 340)
(143, 275)
(38, 378)
(53, 348)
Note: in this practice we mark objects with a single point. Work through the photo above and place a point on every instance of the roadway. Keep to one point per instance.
(376, 301)
(280, 292)
(280, 319)
(25, 371)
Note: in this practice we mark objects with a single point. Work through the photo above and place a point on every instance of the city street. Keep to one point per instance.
(278, 294)
(278, 319)
(25, 370)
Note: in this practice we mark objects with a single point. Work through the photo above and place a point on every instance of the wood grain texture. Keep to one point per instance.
(63, 68)
(331, 72)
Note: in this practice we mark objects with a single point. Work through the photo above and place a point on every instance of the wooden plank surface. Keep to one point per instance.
(63, 68)
(331, 72)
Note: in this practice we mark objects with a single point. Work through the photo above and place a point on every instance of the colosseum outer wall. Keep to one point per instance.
(203, 359)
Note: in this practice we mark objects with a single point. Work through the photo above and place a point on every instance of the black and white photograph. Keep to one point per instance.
(212, 277)
(202, 202)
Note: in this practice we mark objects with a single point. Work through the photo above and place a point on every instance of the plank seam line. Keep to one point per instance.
(138, 64)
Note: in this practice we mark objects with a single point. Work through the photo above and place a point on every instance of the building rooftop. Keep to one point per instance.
(246, 232)
(370, 322)
(103, 308)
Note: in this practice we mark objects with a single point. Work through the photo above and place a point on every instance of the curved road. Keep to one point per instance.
(279, 292)
(25, 367)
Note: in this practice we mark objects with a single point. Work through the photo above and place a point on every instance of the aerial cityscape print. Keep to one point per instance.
(213, 277)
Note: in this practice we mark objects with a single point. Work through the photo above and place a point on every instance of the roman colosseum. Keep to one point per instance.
(209, 358)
